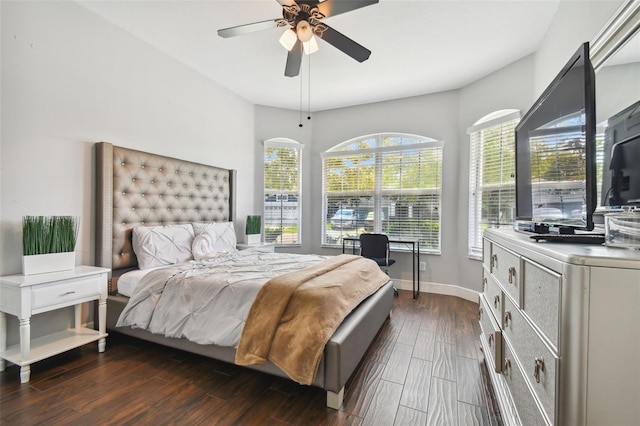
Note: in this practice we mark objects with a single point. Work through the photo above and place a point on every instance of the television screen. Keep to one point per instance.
(555, 152)
(621, 171)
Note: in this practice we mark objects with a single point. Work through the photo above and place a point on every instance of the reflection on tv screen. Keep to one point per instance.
(558, 171)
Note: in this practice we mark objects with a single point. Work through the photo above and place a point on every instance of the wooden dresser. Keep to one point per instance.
(561, 330)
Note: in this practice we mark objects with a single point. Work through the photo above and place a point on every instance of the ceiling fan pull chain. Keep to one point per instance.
(300, 115)
(309, 89)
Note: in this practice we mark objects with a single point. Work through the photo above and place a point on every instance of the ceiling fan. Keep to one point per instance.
(304, 18)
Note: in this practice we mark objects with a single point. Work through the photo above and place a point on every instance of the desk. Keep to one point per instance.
(415, 251)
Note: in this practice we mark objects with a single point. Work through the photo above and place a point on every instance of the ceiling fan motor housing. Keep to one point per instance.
(304, 19)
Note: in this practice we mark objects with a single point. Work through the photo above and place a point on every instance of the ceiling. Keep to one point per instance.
(418, 46)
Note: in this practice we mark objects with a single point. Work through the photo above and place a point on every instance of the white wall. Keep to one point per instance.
(574, 23)
(70, 79)
(508, 88)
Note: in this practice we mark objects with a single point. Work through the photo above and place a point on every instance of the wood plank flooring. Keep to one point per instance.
(424, 368)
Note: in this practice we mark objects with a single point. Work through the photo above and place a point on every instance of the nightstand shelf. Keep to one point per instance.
(52, 344)
(25, 296)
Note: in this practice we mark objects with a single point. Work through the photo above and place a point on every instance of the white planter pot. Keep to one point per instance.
(52, 262)
(253, 238)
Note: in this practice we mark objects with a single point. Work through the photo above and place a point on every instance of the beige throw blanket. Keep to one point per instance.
(294, 315)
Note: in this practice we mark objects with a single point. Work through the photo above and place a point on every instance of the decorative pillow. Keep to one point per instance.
(213, 238)
(162, 245)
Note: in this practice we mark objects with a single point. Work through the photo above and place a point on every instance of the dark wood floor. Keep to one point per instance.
(422, 369)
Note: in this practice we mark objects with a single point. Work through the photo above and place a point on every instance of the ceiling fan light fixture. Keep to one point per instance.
(304, 31)
(310, 46)
(288, 39)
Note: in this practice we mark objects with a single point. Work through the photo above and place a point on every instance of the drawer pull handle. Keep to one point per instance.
(512, 274)
(496, 301)
(507, 365)
(537, 368)
(490, 339)
(67, 293)
(484, 284)
(480, 313)
(507, 318)
(494, 261)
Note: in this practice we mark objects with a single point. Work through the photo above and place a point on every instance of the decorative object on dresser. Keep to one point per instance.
(48, 243)
(24, 296)
(561, 330)
(253, 230)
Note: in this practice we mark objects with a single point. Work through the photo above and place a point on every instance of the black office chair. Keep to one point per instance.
(376, 248)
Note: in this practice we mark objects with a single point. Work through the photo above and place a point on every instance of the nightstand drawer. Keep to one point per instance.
(65, 293)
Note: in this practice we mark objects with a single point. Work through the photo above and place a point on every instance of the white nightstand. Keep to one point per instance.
(263, 246)
(23, 296)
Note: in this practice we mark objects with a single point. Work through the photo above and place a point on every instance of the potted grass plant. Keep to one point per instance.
(253, 229)
(48, 243)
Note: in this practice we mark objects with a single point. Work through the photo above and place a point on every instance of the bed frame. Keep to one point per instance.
(135, 188)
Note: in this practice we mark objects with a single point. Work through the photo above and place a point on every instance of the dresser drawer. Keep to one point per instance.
(65, 293)
(537, 360)
(523, 399)
(505, 266)
(492, 334)
(493, 294)
(541, 298)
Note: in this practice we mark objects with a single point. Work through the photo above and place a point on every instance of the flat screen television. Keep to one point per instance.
(555, 153)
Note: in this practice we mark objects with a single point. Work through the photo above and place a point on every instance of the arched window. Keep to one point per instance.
(386, 182)
(282, 191)
(492, 199)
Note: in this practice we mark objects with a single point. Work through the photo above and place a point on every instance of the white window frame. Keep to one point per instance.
(504, 121)
(286, 208)
(373, 145)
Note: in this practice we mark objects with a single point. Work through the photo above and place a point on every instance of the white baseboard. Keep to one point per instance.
(438, 288)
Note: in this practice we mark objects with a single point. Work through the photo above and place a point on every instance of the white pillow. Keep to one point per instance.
(162, 245)
(213, 238)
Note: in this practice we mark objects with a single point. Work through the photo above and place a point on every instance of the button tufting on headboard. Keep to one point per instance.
(131, 187)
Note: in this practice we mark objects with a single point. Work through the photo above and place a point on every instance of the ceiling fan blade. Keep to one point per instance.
(335, 7)
(294, 60)
(248, 28)
(344, 43)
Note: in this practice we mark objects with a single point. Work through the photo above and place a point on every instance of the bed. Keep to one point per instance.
(136, 190)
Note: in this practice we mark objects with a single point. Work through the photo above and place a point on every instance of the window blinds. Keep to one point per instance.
(491, 178)
(282, 173)
(390, 184)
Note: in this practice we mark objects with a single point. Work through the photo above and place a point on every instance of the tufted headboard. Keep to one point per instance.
(135, 188)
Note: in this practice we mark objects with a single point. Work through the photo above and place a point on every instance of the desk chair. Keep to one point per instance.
(376, 248)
